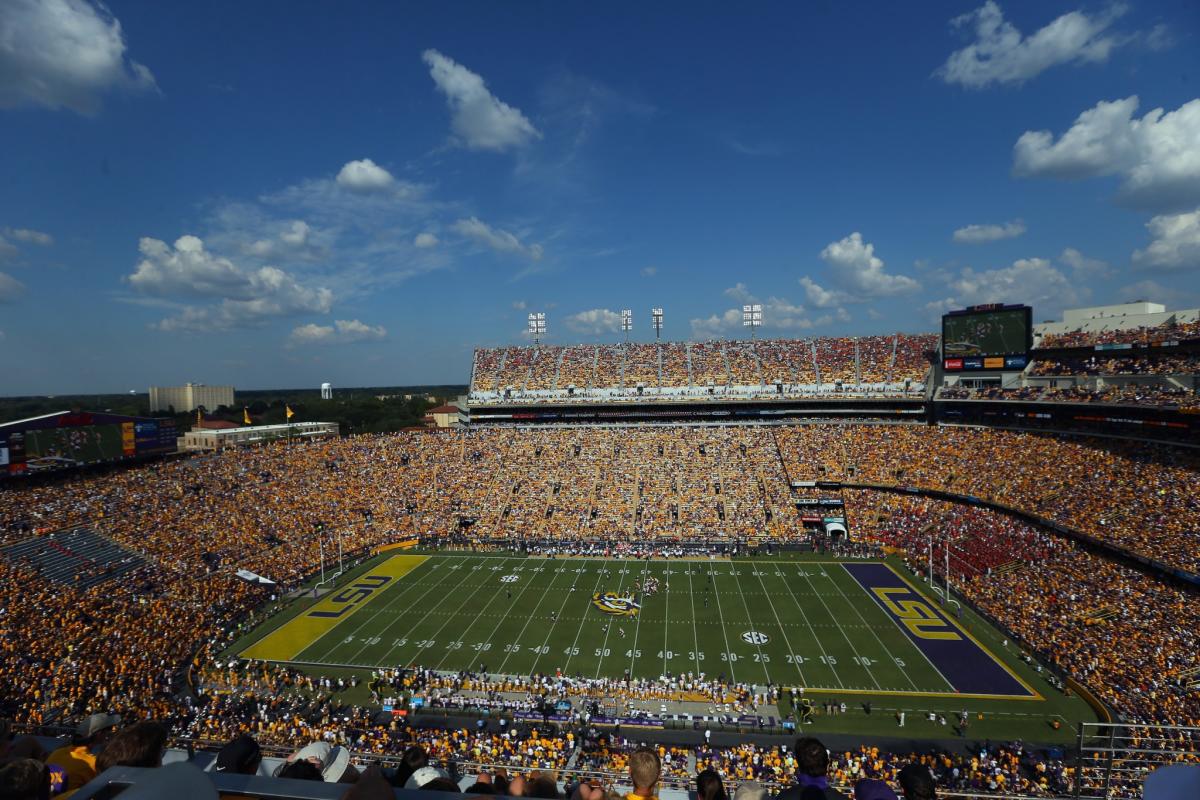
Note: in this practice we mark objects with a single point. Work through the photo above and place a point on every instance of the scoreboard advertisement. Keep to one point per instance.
(72, 439)
(992, 337)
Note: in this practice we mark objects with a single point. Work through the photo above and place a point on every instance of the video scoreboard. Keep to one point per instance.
(989, 337)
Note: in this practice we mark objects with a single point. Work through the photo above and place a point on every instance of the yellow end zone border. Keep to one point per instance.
(304, 630)
(1033, 693)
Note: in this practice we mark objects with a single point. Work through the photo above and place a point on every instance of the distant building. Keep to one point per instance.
(219, 438)
(326, 391)
(446, 416)
(189, 397)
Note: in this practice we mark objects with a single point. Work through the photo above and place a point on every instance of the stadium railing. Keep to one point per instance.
(1114, 760)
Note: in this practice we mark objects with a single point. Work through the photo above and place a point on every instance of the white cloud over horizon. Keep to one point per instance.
(1000, 54)
(244, 297)
(594, 321)
(64, 54)
(342, 331)
(1157, 156)
(979, 234)
(1175, 244)
(479, 119)
(497, 239)
(365, 175)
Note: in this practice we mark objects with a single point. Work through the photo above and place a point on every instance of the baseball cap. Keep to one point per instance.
(239, 756)
(333, 759)
(96, 723)
(423, 776)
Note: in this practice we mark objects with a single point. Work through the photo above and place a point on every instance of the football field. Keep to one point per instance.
(846, 627)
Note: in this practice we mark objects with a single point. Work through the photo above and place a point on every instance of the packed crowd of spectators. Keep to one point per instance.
(1169, 331)
(124, 646)
(680, 365)
(1112, 394)
(1118, 365)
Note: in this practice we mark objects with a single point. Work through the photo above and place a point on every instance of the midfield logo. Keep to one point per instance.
(612, 603)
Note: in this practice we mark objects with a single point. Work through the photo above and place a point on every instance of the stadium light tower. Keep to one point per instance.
(537, 326)
(752, 317)
(656, 316)
(626, 322)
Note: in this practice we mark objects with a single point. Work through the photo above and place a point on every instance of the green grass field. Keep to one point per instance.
(804, 623)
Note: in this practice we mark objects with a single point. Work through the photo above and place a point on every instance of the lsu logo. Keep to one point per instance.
(918, 617)
(353, 594)
(612, 603)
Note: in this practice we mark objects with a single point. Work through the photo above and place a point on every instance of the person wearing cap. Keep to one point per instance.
(812, 769)
(332, 762)
(425, 775)
(240, 757)
(78, 759)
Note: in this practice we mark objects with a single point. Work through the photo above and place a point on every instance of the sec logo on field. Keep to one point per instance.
(754, 637)
(509, 579)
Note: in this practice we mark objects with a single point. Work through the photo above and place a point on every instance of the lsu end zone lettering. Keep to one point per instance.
(969, 668)
(294, 636)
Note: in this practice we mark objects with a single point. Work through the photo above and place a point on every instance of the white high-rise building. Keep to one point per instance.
(189, 397)
(326, 391)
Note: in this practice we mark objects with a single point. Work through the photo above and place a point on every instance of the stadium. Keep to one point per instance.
(973, 551)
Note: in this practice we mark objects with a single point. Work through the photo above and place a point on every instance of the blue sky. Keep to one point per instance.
(276, 194)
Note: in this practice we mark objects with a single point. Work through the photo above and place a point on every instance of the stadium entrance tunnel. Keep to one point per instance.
(836, 531)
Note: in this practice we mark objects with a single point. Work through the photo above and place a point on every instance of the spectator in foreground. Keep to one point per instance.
(79, 757)
(709, 786)
(917, 782)
(242, 756)
(644, 771)
(140, 745)
(812, 768)
(751, 790)
(24, 779)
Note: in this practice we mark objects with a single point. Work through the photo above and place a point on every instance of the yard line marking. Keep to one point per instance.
(817, 639)
(529, 618)
(638, 628)
(506, 615)
(451, 617)
(858, 611)
(574, 644)
(695, 630)
(383, 633)
(567, 595)
(666, 614)
(724, 633)
(778, 621)
(761, 659)
(608, 630)
(846, 636)
(383, 606)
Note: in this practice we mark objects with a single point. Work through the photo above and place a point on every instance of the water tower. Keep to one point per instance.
(326, 391)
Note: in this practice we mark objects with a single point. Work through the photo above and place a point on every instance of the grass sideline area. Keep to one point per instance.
(799, 620)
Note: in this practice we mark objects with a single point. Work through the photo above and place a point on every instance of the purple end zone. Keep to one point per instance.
(969, 668)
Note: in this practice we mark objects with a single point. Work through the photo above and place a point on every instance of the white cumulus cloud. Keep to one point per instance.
(1035, 281)
(778, 313)
(1176, 242)
(479, 119)
(342, 331)
(1157, 155)
(978, 234)
(594, 321)
(365, 175)
(245, 297)
(859, 273)
(424, 240)
(496, 238)
(1001, 54)
(64, 54)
